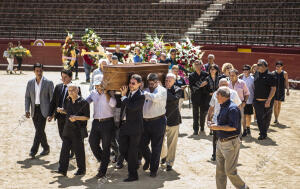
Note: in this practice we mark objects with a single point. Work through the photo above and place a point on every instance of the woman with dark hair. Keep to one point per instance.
(282, 84)
(212, 82)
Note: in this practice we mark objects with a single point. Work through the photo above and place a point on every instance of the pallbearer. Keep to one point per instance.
(103, 124)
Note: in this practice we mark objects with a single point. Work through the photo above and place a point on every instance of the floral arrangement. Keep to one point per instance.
(92, 43)
(68, 52)
(69, 45)
(155, 46)
(187, 54)
(20, 51)
(91, 40)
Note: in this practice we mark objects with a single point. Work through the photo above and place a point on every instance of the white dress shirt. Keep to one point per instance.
(250, 84)
(38, 91)
(155, 103)
(102, 108)
(234, 97)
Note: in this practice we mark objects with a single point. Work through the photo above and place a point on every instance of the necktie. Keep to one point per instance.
(124, 111)
(62, 96)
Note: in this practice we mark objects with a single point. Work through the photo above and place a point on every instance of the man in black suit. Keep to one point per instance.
(131, 124)
(59, 96)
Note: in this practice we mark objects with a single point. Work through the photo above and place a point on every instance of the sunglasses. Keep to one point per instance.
(132, 83)
(259, 64)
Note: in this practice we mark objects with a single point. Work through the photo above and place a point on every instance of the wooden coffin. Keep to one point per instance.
(116, 76)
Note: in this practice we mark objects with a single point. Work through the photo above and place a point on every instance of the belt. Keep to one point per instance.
(105, 119)
(154, 118)
(227, 139)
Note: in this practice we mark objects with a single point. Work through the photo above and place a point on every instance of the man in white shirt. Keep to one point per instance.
(154, 111)
(103, 127)
(39, 92)
(214, 109)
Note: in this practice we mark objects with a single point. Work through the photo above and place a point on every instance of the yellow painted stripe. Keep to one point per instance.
(53, 44)
(244, 50)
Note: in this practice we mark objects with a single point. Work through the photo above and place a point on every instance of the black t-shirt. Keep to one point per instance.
(119, 55)
(80, 108)
(263, 83)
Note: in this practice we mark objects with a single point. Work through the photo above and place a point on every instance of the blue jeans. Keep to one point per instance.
(87, 70)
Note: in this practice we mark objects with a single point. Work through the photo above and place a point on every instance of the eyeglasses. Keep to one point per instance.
(132, 83)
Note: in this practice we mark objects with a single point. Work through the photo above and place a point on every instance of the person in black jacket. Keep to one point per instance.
(77, 112)
(59, 97)
(131, 124)
(174, 93)
(199, 96)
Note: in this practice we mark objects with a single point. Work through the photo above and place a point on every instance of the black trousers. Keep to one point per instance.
(102, 131)
(154, 132)
(263, 116)
(19, 60)
(40, 137)
(77, 144)
(61, 120)
(199, 111)
(129, 146)
(76, 68)
(215, 139)
(115, 142)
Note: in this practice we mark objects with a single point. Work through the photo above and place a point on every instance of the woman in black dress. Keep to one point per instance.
(282, 84)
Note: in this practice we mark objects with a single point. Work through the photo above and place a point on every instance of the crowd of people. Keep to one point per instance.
(143, 121)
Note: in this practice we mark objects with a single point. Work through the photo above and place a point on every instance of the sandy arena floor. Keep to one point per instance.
(272, 163)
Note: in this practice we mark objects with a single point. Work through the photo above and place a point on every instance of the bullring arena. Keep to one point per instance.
(236, 31)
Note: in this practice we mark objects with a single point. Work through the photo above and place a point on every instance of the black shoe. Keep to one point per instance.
(153, 174)
(244, 133)
(119, 165)
(32, 155)
(276, 121)
(61, 172)
(163, 160)
(146, 165)
(100, 175)
(45, 152)
(262, 137)
(130, 179)
(71, 155)
(169, 168)
(213, 158)
(115, 159)
(80, 172)
(195, 133)
(248, 131)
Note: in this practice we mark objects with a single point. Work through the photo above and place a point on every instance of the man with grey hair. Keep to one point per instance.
(77, 112)
(214, 109)
(228, 146)
(174, 93)
(210, 61)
